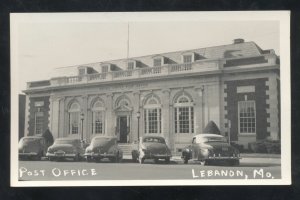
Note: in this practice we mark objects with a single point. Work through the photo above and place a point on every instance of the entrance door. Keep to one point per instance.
(123, 129)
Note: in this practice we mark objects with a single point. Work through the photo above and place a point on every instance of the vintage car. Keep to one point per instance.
(211, 148)
(103, 147)
(66, 148)
(151, 147)
(33, 147)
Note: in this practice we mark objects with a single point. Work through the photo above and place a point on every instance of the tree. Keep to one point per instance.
(211, 127)
(48, 137)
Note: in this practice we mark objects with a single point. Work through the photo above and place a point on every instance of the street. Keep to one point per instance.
(258, 168)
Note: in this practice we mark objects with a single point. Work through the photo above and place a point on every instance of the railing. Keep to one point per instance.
(151, 70)
(201, 66)
(198, 66)
(181, 67)
(94, 77)
(74, 79)
(122, 74)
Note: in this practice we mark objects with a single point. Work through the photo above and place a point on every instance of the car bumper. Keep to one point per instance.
(28, 154)
(99, 155)
(157, 156)
(65, 155)
(223, 158)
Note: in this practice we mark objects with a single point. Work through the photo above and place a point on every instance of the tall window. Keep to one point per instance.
(74, 118)
(247, 117)
(39, 121)
(152, 116)
(81, 71)
(187, 58)
(104, 69)
(130, 65)
(98, 118)
(157, 62)
(184, 115)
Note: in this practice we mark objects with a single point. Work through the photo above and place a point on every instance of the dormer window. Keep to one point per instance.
(157, 62)
(188, 57)
(104, 69)
(81, 72)
(130, 65)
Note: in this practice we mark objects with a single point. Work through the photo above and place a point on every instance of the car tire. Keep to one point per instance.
(207, 162)
(167, 160)
(76, 158)
(155, 160)
(89, 159)
(185, 160)
(141, 160)
(235, 162)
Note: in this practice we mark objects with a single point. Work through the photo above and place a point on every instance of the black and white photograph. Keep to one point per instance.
(144, 99)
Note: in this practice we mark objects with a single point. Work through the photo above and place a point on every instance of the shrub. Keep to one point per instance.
(265, 146)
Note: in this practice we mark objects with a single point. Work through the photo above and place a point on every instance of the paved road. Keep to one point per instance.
(127, 170)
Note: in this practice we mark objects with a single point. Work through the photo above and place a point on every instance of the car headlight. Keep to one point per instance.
(88, 151)
(50, 150)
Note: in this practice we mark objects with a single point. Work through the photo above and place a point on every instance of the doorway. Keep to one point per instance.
(123, 127)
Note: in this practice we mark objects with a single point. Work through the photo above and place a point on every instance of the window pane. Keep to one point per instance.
(247, 117)
(157, 62)
(187, 59)
(39, 120)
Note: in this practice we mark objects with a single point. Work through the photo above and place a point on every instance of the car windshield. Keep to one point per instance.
(30, 140)
(214, 139)
(154, 140)
(100, 141)
(73, 142)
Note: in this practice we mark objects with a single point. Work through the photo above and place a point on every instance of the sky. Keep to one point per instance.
(41, 45)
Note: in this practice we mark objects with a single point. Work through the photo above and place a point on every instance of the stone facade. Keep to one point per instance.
(175, 100)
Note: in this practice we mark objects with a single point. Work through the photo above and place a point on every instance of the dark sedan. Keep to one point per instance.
(103, 147)
(152, 147)
(33, 147)
(211, 148)
(66, 148)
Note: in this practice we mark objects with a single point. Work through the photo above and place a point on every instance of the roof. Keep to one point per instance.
(152, 136)
(245, 49)
(67, 139)
(104, 136)
(33, 137)
(208, 135)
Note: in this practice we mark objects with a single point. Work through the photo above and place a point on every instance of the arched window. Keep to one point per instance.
(98, 115)
(74, 118)
(152, 116)
(184, 114)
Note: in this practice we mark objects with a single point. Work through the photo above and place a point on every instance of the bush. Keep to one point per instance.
(265, 146)
(238, 147)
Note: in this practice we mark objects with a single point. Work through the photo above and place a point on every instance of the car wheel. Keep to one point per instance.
(76, 158)
(141, 160)
(207, 162)
(156, 160)
(167, 160)
(88, 159)
(185, 160)
(234, 162)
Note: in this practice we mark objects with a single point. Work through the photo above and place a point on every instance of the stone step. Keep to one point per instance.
(126, 148)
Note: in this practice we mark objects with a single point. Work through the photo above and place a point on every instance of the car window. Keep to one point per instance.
(154, 140)
(194, 141)
(30, 140)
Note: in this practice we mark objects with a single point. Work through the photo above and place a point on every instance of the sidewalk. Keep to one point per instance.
(243, 155)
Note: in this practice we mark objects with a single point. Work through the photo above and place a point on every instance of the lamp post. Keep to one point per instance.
(82, 118)
(138, 115)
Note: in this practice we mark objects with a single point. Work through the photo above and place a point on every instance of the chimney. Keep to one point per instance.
(238, 41)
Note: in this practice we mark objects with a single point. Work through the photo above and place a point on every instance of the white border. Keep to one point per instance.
(282, 16)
